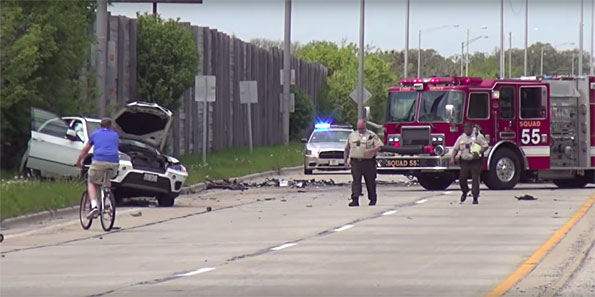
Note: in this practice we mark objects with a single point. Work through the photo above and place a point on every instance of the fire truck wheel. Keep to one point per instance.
(435, 182)
(505, 170)
(570, 183)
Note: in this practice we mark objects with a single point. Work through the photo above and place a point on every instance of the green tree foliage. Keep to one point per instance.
(303, 116)
(167, 60)
(45, 47)
(342, 62)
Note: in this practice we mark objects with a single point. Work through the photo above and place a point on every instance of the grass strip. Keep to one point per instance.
(237, 162)
(19, 197)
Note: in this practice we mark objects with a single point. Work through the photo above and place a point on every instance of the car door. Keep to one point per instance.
(50, 151)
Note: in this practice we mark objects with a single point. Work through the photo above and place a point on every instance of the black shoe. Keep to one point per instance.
(475, 201)
(372, 202)
(463, 197)
(353, 204)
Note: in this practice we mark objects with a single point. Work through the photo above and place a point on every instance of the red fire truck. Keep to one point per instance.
(537, 129)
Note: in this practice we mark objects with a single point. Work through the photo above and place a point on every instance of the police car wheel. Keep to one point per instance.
(307, 171)
(504, 171)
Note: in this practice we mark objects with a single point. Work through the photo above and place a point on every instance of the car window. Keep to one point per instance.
(55, 127)
(479, 106)
(79, 128)
(329, 136)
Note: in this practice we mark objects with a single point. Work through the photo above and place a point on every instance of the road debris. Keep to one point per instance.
(136, 214)
(525, 197)
(209, 209)
(237, 185)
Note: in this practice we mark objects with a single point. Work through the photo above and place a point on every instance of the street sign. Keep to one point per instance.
(205, 88)
(248, 91)
(354, 95)
(292, 76)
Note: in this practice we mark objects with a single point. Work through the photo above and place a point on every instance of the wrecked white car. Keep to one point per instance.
(144, 171)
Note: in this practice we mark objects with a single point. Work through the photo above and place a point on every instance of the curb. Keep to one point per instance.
(199, 187)
(41, 216)
(196, 188)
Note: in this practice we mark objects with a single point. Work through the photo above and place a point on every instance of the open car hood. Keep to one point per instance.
(145, 122)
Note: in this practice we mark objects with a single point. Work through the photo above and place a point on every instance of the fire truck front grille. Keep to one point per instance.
(415, 135)
(331, 155)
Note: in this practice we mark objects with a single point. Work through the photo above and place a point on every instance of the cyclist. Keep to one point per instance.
(105, 160)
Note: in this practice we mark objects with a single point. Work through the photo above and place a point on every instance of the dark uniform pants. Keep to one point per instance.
(367, 169)
(473, 168)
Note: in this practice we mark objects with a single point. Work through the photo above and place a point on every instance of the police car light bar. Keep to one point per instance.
(322, 126)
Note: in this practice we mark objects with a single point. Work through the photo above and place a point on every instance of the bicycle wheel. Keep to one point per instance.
(84, 209)
(108, 213)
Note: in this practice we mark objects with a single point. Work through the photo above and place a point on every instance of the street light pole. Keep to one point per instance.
(541, 67)
(580, 41)
(286, 72)
(419, 55)
(572, 67)
(406, 62)
(462, 55)
(592, 61)
(360, 85)
(467, 56)
(501, 38)
(526, 36)
(509, 54)
(101, 47)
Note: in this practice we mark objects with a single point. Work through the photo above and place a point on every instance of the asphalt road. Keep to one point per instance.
(307, 242)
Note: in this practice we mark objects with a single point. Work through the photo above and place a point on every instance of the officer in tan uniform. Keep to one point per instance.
(360, 150)
(469, 149)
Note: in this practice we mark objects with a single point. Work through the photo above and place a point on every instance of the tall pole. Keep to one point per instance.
(467, 56)
(360, 76)
(501, 38)
(462, 55)
(592, 58)
(154, 8)
(541, 65)
(509, 54)
(406, 62)
(101, 55)
(526, 36)
(572, 67)
(286, 71)
(580, 41)
(419, 55)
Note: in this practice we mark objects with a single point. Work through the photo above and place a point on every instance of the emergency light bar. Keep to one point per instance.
(442, 81)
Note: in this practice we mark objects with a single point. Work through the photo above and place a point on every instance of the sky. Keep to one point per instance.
(550, 21)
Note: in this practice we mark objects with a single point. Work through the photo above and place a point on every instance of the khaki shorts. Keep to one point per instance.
(98, 170)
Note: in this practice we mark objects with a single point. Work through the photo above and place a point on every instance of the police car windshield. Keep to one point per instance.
(401, 106)
(329, 136)
(433, 106)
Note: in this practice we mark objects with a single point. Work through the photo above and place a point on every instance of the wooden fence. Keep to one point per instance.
(231, 60)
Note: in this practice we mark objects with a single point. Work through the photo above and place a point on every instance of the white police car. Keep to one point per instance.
(325, 147)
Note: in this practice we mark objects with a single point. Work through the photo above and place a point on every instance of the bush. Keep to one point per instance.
(303, 116)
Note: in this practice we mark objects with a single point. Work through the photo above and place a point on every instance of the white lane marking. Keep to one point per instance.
(202, 270)
(447, 192)
(390, 212)
(343, 228)
(283, 246)
(421, 201)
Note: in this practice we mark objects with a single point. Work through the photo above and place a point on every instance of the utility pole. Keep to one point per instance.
(541, 65)
(101, 31)
(406, 62)
(502, 39)
(360, 76)
(286, 71)
(580, 41)
(526, 36)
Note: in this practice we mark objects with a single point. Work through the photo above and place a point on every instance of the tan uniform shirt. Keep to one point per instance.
(359, 143)
(464, 143)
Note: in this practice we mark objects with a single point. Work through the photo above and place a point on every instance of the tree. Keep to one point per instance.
(167, 60)
(45, 48)
(303, 115)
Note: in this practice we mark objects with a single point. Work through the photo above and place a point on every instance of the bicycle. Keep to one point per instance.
(106, 205)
